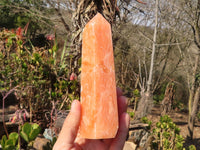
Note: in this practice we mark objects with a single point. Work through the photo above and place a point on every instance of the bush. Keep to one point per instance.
(147, 121)
(39, 77)
(11, 142)
(28, 132)
(166, 135)
(192, 147)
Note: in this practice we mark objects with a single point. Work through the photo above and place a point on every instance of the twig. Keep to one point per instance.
(65, 100)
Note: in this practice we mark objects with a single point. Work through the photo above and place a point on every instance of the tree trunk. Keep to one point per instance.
(194, 95)
(191, 120)
(149, 83)
(146, 102)
(193, 100)
(86, 10)
(144, 106)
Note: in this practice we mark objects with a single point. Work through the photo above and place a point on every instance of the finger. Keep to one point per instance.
(70, 126)
(122, 104)
(118, 142)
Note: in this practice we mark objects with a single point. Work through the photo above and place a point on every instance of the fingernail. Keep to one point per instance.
(73, 104)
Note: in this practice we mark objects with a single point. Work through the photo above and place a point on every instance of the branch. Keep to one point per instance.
(28, 11)
(196, 36)
(170, 44)
(60, 15)
(139, 1)
(145, 36)
(153, 49)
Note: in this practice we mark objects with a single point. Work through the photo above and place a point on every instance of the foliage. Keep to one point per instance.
(192, 147)
(158, 98)
(20, 12)
(29, 132)
(136, 93)
(131, 114)
(11, 142)
(147, 121)
(166, 135)
(38, 75)
(178, 105)
(160, 93)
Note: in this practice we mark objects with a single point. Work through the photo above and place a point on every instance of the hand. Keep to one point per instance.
(68, 139)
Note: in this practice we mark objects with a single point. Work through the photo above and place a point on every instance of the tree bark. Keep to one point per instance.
(144, 106)
(194, 91)
(193, 100)
(191, 120)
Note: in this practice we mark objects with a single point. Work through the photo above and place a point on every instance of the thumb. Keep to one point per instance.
(70, 126)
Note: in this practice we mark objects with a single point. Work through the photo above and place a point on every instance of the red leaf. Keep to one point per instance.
(19, 32)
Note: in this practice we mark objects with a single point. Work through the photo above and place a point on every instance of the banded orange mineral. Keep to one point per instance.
(99, 113)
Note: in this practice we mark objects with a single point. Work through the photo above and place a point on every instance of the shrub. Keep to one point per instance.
(166, 135)
(145, 120)
(10, 142)
(38, 75)
(29, 132)
(192, 147)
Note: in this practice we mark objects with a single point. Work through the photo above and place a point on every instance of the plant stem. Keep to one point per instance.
(4, 125)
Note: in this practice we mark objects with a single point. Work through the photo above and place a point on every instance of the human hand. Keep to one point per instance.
(68, 139)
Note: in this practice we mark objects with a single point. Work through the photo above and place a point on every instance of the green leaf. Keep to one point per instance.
(54, 140)
(3, 141)
(158, 125)
(9, 147)
(192, 147)
(14, 136)
(19, 42)
(24, 136)
(34, 132)
(166, 134)
(9, 42)
(26, 128)
(10, 142)
(166, 143)
(179, 145)
(136, 93)
(35, 126)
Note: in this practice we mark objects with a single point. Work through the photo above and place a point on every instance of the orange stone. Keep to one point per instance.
(99, 116)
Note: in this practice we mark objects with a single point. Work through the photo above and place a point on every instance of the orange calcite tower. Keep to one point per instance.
(99, 116)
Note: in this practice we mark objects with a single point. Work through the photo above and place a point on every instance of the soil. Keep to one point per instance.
(180, 119)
